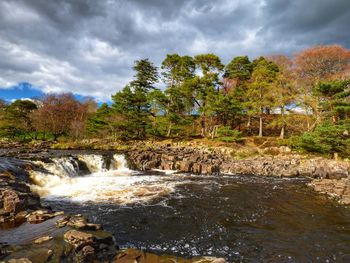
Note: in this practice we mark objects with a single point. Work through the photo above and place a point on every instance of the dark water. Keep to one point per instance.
(241, 219)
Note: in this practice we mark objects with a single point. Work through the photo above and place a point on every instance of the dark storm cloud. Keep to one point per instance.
(88, 46)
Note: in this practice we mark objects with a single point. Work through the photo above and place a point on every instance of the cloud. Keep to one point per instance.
(88, 47)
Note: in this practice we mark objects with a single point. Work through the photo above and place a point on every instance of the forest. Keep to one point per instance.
(303, 100)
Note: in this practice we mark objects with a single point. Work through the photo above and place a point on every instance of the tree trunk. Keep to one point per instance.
(282, 132)
(283, 123)
(261, 122)
(203, 127)
(260, 126)
(169, 130)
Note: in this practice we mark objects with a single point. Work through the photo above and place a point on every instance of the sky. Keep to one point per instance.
(88, 47)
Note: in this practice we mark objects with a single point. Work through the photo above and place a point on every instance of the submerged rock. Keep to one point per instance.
(81, 222)
(20, 260)
(134, 255)
(39, 216)
(43, 239)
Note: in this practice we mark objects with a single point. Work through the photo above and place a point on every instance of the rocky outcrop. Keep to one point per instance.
(181, 159)
(78, 238)
(15, 199)
(199, 161)
(330, 177)
(338, 189)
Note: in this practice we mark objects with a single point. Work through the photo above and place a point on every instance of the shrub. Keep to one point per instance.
(325, 139)
(226, 134)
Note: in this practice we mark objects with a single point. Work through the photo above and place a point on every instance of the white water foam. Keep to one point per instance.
(167, 172)
(120, 185)
(94, 162)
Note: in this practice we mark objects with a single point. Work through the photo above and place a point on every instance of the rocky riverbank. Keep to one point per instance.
(330, 177)
(31, 232)
(71, 238)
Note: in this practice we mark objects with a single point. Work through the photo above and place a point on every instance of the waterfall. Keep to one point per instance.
(68, 167)
(61, 167)
(109, 180)
(95, 163)
(119, 162)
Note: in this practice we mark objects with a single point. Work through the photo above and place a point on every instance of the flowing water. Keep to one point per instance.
(243, 219)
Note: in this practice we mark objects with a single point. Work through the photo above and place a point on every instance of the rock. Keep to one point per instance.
(12, 201)
(77, 222)
(59, 213)
(19, 260)
(62, 222)
(184, 166)
(196, 168)
(81, 222)
(43, 239)
(39, 216)
(86, 254)
(338, 189)
(21, 216)
(134, 255)
(3, 250)
(49, 253)
(78, 238)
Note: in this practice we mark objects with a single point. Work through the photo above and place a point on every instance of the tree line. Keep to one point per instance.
(306, 97)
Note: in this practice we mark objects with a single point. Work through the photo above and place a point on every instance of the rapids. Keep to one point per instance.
(243, 219)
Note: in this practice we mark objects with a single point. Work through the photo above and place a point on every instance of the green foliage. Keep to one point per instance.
(16, 118)
(132, 102)
(146, 75)
(226, 134)
(325, 139)
(194, 102)
(332, 136)
(239, 68)
(335, 99)
(99, 121)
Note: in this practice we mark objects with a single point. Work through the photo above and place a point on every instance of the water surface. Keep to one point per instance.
(246, 219)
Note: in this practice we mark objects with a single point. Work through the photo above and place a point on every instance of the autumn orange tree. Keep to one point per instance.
(317, 64)
(61, 114)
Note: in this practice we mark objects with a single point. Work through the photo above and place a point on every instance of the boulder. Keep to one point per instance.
(78, 238)
(12, 201)
(86, 254)
(81, 222)
(184, 166)
(40, 216)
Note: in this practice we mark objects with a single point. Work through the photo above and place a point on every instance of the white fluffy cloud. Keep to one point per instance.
(88, 47)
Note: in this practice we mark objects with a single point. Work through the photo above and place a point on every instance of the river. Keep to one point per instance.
(243, 219)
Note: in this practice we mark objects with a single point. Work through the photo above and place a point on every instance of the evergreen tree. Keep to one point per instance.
(239, 68)
(132, 101)
(206, 86)
(16, 118)
(176, 101)
(99, 121)
(260, 90)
